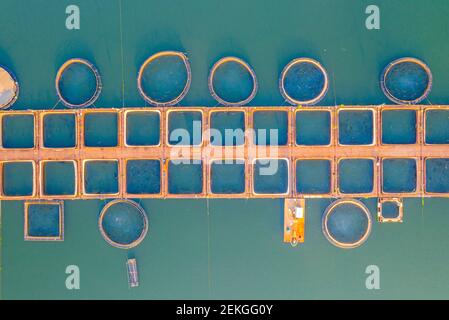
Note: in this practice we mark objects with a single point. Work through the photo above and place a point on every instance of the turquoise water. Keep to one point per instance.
(18, 131)
(101, 177)
(390, 210)
(226, 248)
(59, 178)
(356, 175)
(227, 177)
(313, 128)
(313, 176)
(78, 84)
(185, 178)
(100, 129)
(407, 81)
(18, 178)
(355, 127)
(270, 176)
(184, 128)
(270, 128)
(399, 126)
(304, 81)
(399, 175)
(143, 128)
(437, 127)
(230, 126)
(60, 131)
(43, 220)
(232, 82)
(143, 176)
(347, 223)
(437, 175)
(123, 223)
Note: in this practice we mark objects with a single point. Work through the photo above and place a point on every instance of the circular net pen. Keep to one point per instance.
(9, 88)
(164, 78)
(78, 83)
(346, 223)
(303, 81)
(406, 81)
(232, 82)
(123, 223)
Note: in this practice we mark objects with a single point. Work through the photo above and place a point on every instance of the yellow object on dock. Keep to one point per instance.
(294, 221)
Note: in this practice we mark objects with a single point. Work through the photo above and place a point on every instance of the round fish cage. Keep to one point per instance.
(406, 81)
(303, 81)
(123, 223)
(78, 83)
(346, 223)
(242, 98)
(9, 88)
(160, 81)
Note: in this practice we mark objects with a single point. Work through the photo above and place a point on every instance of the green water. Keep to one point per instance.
(225, 248)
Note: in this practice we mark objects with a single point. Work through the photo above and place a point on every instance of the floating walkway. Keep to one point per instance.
(290, 152)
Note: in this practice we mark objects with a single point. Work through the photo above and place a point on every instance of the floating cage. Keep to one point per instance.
(78, 83)
(232, 82)
(303, 81)
(44, 221)
(346, 223)
(390, 210)
(162, 81)
(9, 88)
(406, 81)
(123, 223)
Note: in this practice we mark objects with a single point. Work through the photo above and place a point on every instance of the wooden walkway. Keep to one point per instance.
(248, 152)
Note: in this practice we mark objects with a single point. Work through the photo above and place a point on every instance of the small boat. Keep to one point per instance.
(133, 276)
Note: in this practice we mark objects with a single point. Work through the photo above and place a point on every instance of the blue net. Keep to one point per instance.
(78, 83)
(164, 78)
(304, 81)
(123, 223)
(407, 81)
(347, 223)
(43, 220)
(232, 82)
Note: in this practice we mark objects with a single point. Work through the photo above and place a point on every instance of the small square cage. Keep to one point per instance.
(390, 210)
(44, 221)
